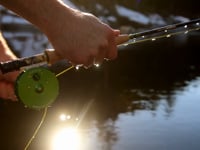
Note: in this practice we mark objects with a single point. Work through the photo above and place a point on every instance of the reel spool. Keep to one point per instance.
(37, 87)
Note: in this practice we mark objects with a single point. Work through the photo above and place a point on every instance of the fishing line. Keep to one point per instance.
(37, 129)
(134, 41)
(44, 114)
(62, 72)
(150, 36)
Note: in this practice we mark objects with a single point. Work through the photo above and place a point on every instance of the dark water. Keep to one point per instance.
(146, 99)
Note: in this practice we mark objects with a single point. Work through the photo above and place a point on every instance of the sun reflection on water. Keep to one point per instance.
(64, 117)
(67, 138)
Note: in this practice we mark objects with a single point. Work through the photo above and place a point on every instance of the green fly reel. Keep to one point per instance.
(37, 87)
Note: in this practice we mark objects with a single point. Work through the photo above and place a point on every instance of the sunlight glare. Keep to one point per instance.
(97, 65)
(64, 117)
(67, 138)
(77, 67)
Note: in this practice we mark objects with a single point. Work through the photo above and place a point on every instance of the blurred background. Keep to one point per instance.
(148, 98)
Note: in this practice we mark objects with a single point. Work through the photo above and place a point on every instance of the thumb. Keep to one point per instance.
(116, 32)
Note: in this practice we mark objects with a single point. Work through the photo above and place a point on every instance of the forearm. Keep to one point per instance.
(42, 13)
(79, 37)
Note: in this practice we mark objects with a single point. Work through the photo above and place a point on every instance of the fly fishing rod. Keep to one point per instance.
(42, 85)
(161, 32)
(49, 56)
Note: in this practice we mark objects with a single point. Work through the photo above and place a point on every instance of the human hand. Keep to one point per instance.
(7, 90)
(7, 86)
(7, 80)
(82, 39)
(79, 37)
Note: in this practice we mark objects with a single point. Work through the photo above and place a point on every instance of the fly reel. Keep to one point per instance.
(37, 87)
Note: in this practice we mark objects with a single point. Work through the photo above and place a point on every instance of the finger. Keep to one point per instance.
(102, 53)
(11, 77)
(88, 62)
(3, 92)
(112, 49)
(112, 53)
(7, 91)
(116, 32)
(11, 94)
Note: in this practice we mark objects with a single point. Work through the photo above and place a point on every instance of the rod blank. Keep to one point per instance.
(49, 56)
